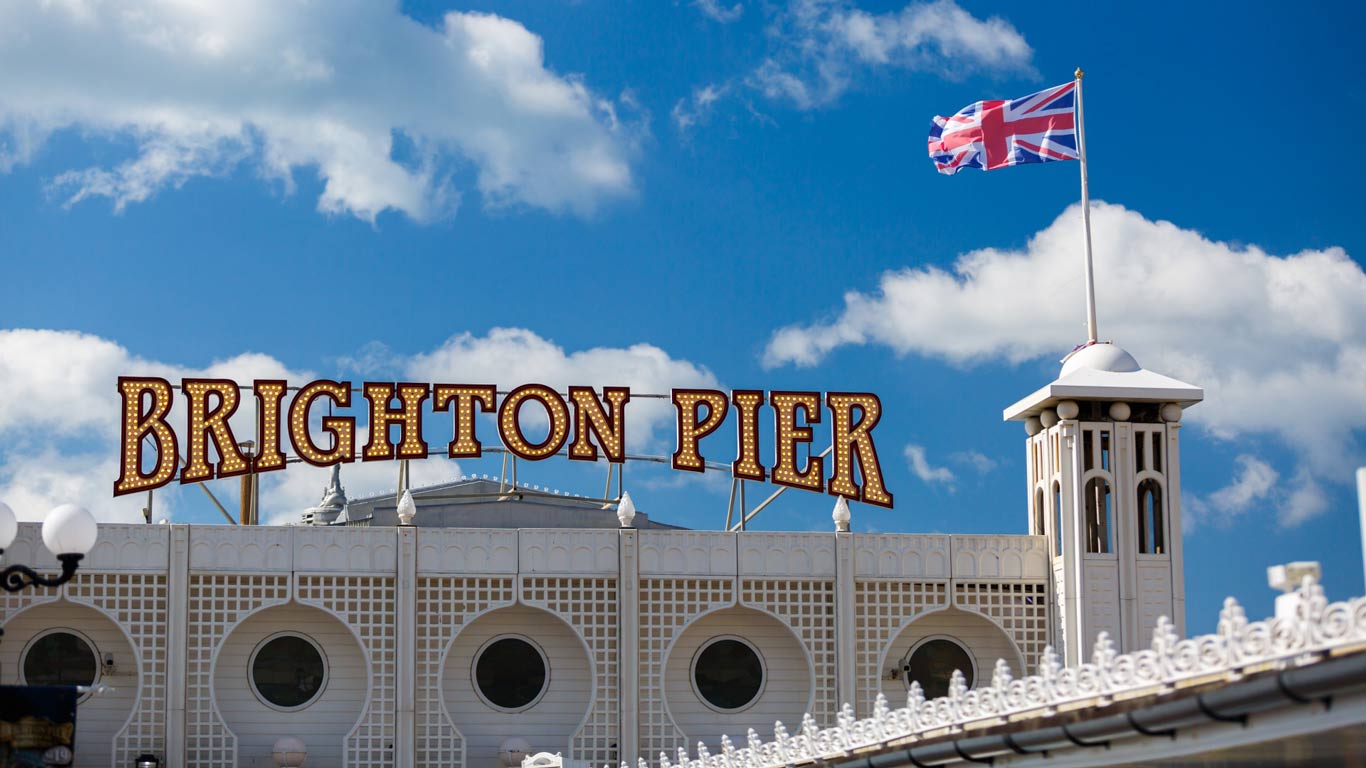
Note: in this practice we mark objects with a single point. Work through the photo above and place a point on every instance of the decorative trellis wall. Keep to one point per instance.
(666, 606)
(590, 607)
(217, 603)
(445, 605)
(808, 607)
(137, 601)
(365, 603)
(1021, 609)
(200, 583)
(885, 606)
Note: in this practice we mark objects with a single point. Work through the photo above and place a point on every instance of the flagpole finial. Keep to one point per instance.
(1078, 73)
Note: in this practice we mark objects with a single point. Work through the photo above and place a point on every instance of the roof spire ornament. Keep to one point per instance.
(626, 510)
(841, 515)
(407, 508)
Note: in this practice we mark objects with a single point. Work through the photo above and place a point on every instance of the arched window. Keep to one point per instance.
(728, 674)
(1098, 515)
(60, 657)
(1057, 517)
(931, 663)
(1152, 538)
(511, 673)
(1038, 512)
(288, 671)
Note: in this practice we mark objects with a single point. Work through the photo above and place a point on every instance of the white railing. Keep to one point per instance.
(1298, 636)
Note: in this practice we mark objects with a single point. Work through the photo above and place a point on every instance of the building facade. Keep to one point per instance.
(387, 645)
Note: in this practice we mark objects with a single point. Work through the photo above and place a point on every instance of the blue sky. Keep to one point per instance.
(370, 191)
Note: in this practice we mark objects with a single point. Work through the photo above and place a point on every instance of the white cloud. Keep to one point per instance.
(1306, 500)
(979, 461)
(696, 109)
(61, 419)
(928, 473)
(1255, 482)
(387, 112)
(717, 11)
(1278, 342)
(507, 357)
(823, 46)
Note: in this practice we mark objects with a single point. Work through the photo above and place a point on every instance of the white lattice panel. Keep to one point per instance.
(808, 607)
(666, 606)
(687, 553)
(590, 607)
(882, 609)
(346, 549)
(1019, 608)
(217, 604)
(901, 555)
(241, 548)
(1154, 594)
(119, 547)
(138, 603)
(1000, 557)
(787, 554)
(466, 551)
(566, 551)
(444, 605)
(367, 604)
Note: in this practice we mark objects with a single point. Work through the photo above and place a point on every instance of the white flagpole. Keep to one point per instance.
(1086, 219)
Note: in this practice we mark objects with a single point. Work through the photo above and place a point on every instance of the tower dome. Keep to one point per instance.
(1102, 356)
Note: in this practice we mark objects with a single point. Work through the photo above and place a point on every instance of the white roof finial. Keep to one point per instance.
(626, 510)
(407, 508)
(841, 515)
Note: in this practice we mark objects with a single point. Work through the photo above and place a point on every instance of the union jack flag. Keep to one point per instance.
(1039, 128)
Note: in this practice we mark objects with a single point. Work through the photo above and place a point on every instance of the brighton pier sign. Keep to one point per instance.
(588, 422)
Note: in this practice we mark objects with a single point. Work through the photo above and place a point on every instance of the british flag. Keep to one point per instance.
(1039, 128)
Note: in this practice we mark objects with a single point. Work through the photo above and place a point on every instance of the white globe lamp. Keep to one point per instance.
(9, 526)
(70, 530)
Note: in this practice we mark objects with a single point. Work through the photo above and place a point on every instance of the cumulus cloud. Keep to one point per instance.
(823, 46)
(644, 368)
(1255, 482)
(390, 114)
(61, 420)
(922, 468)
(718, 11)
(1278, 342)
(979, 461)
(696, 110)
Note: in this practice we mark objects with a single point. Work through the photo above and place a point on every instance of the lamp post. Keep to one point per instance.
(69, 531)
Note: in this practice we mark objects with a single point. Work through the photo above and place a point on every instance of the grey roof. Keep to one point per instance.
(478, 503)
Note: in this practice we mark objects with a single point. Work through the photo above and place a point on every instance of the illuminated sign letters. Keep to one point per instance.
(581, 424)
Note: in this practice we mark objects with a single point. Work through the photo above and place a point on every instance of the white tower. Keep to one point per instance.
(1105, 487)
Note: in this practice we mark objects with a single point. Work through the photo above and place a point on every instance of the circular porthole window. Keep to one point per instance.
(60, 657)
(728, 674)
(288, 671)
(931, 663)
(511, 673)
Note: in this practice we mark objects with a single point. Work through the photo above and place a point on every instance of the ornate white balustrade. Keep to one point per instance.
(1302, 636)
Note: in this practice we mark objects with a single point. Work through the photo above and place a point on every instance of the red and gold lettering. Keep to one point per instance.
(854, 440)
(138, 424)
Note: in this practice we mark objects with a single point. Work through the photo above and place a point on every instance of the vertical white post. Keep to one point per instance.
(1124, 504)
(1361, 503)
(846, 634)
(1086, 217)
(1075, 617)
(1174, 524)
(177, 639)
(405, 729)
(628, 659)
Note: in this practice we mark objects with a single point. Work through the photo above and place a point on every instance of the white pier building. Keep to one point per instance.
(541, 624)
